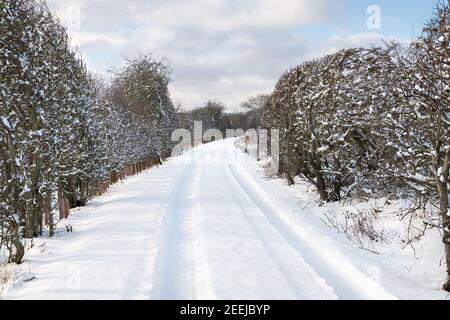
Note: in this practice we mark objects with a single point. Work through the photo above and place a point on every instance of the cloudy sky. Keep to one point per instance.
(231, 49)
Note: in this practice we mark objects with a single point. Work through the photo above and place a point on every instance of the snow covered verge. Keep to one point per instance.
(403, 252)
(106, 237)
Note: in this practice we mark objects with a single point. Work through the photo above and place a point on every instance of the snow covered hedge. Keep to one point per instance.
(365, 122)
(64, 135)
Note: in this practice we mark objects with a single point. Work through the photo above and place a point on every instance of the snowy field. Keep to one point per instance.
(210, 225)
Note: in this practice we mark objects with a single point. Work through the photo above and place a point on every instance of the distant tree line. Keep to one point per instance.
(65, 136)
(367, 122)
(213, 116)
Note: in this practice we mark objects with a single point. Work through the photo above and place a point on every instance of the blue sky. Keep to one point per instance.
(398, 16)
(230, 49)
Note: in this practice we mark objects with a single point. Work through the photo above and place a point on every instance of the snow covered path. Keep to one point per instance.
(202, 226)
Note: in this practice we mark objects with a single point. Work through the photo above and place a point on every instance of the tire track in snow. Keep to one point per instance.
(347, 281)
(172, 277)
(201, 282)
(321, 288)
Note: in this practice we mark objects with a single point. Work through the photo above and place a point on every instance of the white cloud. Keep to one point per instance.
(98, 39)
(223, 49)
(232, 90)
(154, 38)
(223, 16)
(367, 39)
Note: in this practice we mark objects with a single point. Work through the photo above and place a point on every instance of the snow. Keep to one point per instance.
(24, 62)
(210, 225)
(6, 123)
(322, 149)
(25, 190)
